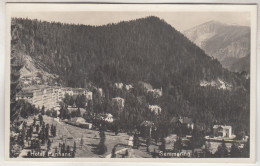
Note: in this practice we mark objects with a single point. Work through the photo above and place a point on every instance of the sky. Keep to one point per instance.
(179, 20)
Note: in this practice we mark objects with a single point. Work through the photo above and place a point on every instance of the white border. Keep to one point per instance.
(99, 7)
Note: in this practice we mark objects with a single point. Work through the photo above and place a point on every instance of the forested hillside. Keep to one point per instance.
(148, 50)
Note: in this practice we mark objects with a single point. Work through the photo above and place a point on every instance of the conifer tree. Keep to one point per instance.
(113, 154)
(49, 144)
(16, 65)
(162, 146)
(222, 150)
(246, 149)
(74, 147)
(235, 151)
(102, 147)
(178, 145)
(81, 141)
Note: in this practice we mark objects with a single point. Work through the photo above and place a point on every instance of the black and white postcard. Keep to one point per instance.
(130, 82)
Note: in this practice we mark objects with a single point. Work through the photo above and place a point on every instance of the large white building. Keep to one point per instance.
(49, 96)
(39, 95)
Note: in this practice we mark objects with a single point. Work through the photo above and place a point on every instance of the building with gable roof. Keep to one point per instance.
(146, 128)
(119, 102)
(155, 109)
(80, 122)
(182, 121)
(119, 85)
(222, 131)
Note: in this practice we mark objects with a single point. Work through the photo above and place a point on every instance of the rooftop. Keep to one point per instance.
(78, 120)
(147, 123)
(118, 98)
(222, 126)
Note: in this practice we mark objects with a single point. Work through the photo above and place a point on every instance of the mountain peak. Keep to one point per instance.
(226, 42)
(213, 22)
(151, 19)
(208, 26)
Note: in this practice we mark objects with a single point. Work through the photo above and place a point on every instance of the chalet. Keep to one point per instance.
(146, 128)
(118, 101)
(155, 109)
(183, 121)
(108, 118)
(222, 131)
(129, 87)
(119, 85)
(80, 122)
(155, 92)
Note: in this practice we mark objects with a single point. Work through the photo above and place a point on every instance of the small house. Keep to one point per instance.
(155, 92)
(81, 122)
(129, 87)
(182, 121)
(155, 109)
(146, 128)
(108, 118)
(119, 85)
(222, 131)
(118, 101)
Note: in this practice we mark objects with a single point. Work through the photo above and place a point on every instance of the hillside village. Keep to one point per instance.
(44, 131)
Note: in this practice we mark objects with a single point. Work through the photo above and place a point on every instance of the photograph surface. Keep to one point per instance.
(171, 82)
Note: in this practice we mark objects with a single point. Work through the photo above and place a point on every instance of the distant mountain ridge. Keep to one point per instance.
(227, 43)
